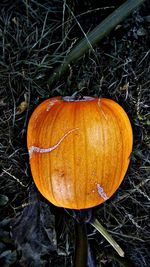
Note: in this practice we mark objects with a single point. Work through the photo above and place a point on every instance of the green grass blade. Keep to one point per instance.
(95, 36)
(96, 224)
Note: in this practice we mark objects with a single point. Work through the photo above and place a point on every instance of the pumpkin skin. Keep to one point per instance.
(79, 150)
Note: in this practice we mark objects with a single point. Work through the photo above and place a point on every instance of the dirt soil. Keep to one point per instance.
(35, 36)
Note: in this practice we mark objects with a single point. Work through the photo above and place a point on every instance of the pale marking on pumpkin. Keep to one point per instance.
(51, 104)
(49, 149)
(99, 102)
(100, 107)
(101, 192)
(36, 117)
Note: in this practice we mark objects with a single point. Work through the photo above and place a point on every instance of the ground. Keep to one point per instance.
(35, 36)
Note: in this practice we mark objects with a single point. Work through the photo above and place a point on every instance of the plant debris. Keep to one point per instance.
(35, 36)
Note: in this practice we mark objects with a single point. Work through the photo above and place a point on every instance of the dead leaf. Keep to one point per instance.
(34, 231)
(23, 105)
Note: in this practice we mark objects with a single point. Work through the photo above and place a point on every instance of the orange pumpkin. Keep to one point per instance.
(79, 150)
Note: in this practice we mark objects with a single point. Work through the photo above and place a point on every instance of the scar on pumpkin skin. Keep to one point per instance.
(49, 149)
(101, 192)
(52, 103)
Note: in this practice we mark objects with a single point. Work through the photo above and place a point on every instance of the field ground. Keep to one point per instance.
(35, 36)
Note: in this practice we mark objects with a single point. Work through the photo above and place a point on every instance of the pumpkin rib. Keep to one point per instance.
(66, 198)
(44, 185)
(108, 135)
(112, 104)
(40, 181)
(125, 118)
(74, 159)
(103, 157)
(102, 125)
(86, 160)
(102, 117)
(118, 126)
(39, 157)
(124, 147)
(46, 159)
(115, 121)
(50, 160)
(60, 153)
(39, 160)
(50, 163)
(74, 126)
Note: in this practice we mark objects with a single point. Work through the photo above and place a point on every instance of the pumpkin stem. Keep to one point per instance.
(83, 256)
(76, 97)
(81, 245)
(96, 224)
(81, 216)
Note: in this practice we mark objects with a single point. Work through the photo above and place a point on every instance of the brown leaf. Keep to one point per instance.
(23, 105)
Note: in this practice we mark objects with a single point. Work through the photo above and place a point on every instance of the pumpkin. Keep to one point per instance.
(79, 150)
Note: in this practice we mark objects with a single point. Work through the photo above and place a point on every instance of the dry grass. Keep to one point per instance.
(35, 37)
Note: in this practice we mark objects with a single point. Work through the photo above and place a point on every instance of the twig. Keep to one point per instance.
(136, 188)
(15, 178)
